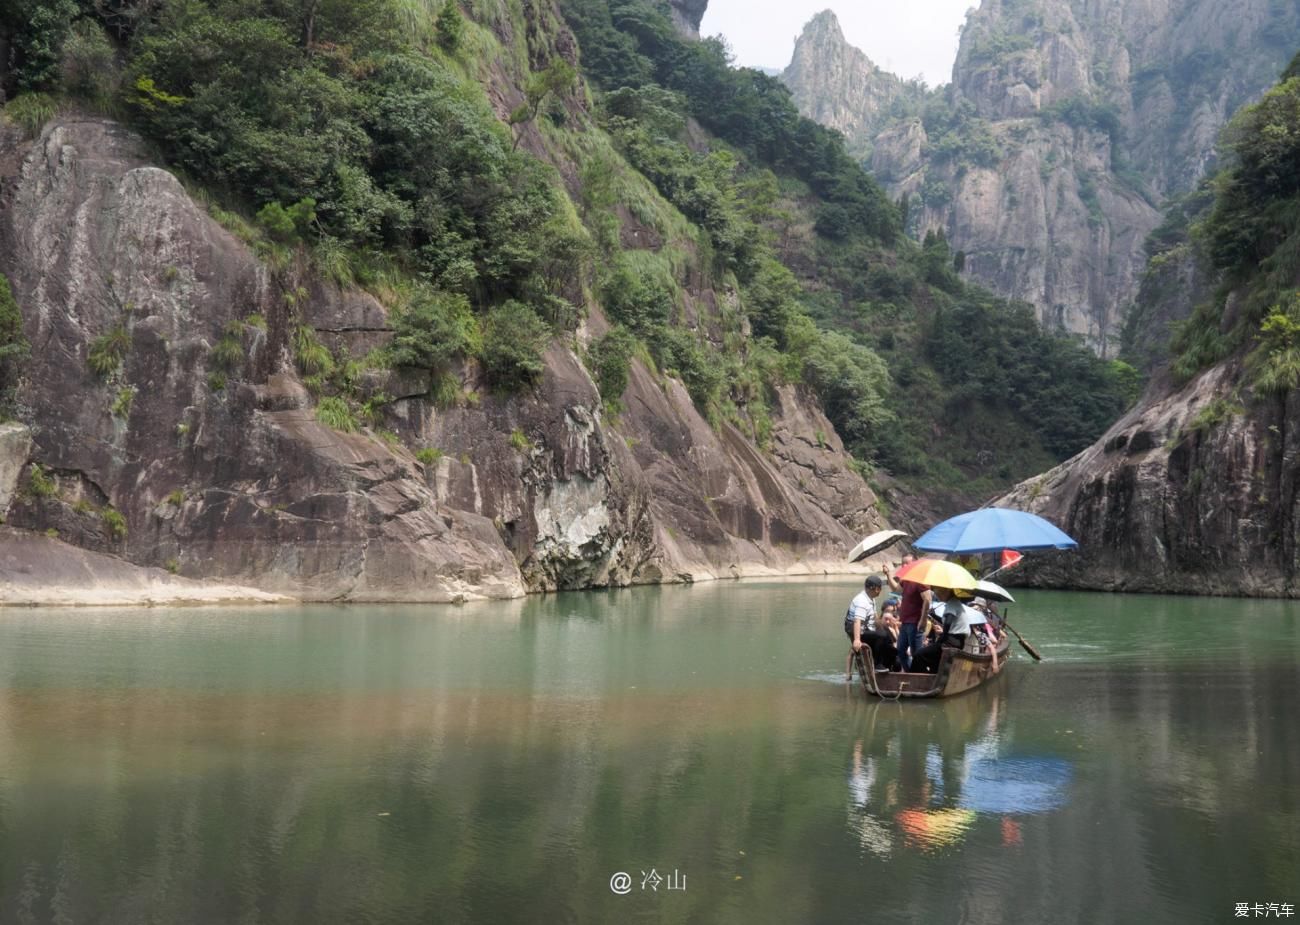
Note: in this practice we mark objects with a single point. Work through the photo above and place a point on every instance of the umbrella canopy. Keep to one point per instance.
(874, 543)
(993, 592)
(993, 529)
(936, 573)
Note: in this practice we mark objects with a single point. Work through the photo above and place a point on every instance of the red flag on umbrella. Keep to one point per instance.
(1010, 557)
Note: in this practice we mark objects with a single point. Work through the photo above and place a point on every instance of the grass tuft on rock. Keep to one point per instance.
(114, 522)
(30, 111)
(40, 484)
(334, 412)
(108, 351)
(122, 404)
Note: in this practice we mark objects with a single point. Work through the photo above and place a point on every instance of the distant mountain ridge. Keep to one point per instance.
(1064, 129)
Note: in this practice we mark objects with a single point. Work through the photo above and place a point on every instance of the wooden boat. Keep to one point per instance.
(959, 671)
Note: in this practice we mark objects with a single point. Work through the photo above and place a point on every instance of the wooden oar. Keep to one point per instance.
(1023, 642)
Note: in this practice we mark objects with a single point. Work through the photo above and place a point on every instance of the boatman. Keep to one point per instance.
(861, 627)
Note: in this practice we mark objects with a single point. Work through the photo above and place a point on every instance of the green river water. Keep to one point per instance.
(501, 762)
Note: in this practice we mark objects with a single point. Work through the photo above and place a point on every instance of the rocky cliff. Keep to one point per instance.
(1066, 126)
(839, 86)
(687, 15)
(1195, 491)
(166, 463)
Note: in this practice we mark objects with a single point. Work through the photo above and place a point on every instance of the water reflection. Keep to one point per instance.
(470, 765)
(927, 791)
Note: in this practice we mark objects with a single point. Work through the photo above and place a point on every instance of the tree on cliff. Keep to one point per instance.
(1252, 236)
(556, 78)
(13, 346)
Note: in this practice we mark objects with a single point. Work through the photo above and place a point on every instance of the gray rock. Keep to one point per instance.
(244, 486)
(15, 447)
(96, 239)
(687, 15)
(837, 85)
(1060, 219)
(1194, 491)
(41, 570)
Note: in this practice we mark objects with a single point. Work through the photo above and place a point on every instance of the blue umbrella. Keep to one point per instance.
(993, 529)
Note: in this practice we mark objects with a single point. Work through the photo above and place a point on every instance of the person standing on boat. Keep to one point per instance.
(912, 614)
(861, 628)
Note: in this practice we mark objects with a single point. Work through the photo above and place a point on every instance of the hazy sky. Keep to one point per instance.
(909, 38)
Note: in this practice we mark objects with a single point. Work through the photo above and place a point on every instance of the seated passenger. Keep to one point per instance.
(861, 627)
(979, 617)
(889, 619)
(956, 629)
(983, 629)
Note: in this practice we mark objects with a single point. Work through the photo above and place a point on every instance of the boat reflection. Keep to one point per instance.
(924, 779)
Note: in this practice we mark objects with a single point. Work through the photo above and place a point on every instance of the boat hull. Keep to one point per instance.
(959, 671)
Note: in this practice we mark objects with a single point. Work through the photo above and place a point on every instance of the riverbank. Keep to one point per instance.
(39, 571)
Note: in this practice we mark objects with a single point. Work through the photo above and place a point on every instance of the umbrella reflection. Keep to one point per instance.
(935, 828)
(1015, 784)
(927, 782)
(873, 833)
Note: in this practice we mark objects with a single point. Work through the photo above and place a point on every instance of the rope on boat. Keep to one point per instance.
(869, 678)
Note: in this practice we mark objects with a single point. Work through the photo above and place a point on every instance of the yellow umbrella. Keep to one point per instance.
(937, 573)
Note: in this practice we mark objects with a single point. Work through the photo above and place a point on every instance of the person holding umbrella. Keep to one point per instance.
(913, 611)
(993, 530)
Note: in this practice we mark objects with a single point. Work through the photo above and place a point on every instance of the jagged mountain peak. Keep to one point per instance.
(688, 14)
(824, 22)
(836, 83)
(823, 36)
(1066, 124)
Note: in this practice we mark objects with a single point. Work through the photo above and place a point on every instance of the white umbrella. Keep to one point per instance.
(988, 589)
(875, 543)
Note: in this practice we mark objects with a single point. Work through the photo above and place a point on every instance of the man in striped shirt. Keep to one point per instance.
(860, 626)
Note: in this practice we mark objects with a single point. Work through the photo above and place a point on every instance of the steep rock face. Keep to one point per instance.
(837, 85)
(1194, 491)
(1096, 112)
(15, 447)
(96, 241)
(687, 15)
(1173, 70)
(239, 481)
(1047, 223)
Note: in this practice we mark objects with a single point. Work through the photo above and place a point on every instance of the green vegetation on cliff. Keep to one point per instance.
(911, 364)
(448, 158)
(1250, 235)
(13, 347)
